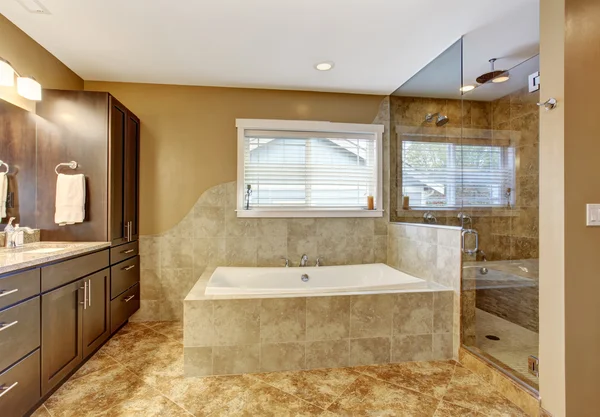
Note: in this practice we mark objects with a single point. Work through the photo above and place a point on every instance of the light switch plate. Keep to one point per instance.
(593, 214)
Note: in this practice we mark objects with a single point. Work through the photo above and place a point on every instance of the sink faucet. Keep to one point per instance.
(303, 260)
(12, 234)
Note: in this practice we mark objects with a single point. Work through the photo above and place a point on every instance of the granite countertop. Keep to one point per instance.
(14, 259)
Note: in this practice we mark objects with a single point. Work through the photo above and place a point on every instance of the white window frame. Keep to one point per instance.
(307, 126)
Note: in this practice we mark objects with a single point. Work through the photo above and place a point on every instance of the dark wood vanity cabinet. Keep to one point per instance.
(75, 316)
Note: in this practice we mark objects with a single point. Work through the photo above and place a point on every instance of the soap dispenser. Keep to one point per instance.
(9, 231)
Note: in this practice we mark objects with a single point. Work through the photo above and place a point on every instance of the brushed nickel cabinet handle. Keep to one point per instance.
(128, 251)
(84, 302)
(90, 293)
(4, 326)
(4, 389)
(8, 292)
(127, 231)
(128, 299)
(127, 268)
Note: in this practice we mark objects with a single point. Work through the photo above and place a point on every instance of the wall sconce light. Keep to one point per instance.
(27, 87)
(7, 73)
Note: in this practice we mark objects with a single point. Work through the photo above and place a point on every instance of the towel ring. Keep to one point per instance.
(6, 165)
(72, 165)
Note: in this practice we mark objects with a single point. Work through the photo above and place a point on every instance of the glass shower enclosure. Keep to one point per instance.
(466, 141)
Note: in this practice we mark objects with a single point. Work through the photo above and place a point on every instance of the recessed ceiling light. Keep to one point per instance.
(466, 88)
(324, 66)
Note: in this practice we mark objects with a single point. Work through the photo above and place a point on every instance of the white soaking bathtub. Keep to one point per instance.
(324, 280)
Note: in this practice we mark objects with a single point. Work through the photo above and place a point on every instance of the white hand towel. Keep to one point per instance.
(3, 194)
(70, 199)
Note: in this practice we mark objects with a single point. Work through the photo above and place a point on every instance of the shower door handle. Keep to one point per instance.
(476, 248)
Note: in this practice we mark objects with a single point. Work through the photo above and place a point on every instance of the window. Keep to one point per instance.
(308, 169)
(447, 175)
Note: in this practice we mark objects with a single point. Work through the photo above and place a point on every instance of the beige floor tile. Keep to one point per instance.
(171, 329)
(132, 344)
(468, 390)
(431, 378)
(263, 400)
(98, 362)
(450, 410)
(146, 403)
(95, 393)
(165, 361)
(204, 396)
(139, 372)
(371, 397)
(320, 387)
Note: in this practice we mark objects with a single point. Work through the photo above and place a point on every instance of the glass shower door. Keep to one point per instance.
(500, 187)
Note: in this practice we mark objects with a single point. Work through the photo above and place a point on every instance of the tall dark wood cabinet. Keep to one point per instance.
(124, 173)
(103, 137)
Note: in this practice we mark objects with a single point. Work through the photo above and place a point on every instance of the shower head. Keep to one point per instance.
(440, 120)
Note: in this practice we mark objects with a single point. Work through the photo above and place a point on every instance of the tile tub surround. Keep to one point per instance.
(140, 373)
(211, 235)
(247, 335)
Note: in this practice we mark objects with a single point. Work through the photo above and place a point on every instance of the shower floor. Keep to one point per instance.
(516, 343)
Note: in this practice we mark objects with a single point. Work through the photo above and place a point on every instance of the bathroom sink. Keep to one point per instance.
(43, 250)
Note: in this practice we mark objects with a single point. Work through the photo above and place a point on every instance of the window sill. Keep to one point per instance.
(307, 213)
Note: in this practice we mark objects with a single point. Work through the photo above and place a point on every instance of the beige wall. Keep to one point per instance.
(552, 211)
(30, 58)
(582, 185)
(189, 138)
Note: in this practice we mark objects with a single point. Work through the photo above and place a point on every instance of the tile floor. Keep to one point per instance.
(139, 372)
(516, 343)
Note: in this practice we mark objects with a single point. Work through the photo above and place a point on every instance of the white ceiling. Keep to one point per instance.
(512, 39)
(376, 44)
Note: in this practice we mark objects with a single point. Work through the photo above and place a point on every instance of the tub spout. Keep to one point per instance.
(303, 260)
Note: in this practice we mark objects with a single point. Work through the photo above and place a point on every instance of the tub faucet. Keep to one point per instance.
(303, 260)
(319, 262)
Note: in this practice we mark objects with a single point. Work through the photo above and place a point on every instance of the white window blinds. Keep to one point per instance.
(444, 174)
(309, 170)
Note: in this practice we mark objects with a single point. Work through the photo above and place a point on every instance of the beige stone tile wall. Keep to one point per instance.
(434, 254)
(212, 235)
(280, 334)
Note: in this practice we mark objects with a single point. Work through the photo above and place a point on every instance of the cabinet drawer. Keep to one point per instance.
(17, 287)
(21, 386)
(54, 276)
(124, 275)
(122, 307)
(19, 331)
(120, 253)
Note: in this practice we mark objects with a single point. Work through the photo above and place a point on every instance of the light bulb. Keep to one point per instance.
(29, 88)
(7, 73)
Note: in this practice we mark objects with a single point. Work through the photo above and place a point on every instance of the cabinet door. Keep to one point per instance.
(118, 123)
(132, 175)
(96, 311)
(62, 321)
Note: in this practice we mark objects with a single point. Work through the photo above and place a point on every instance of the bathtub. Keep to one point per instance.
(324, 280)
